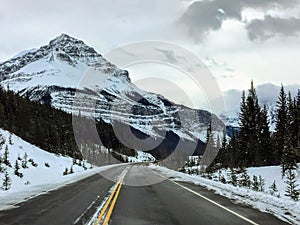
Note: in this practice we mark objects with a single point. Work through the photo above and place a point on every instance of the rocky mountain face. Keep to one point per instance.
(53, 75)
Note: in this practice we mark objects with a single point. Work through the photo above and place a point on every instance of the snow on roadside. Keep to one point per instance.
(37, 179)
(141, 157)
(283, 208)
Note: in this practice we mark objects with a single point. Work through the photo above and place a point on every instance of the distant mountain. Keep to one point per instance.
(51, 75)
(267, 95)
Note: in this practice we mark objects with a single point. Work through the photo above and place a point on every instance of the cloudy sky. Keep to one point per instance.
(238, 40)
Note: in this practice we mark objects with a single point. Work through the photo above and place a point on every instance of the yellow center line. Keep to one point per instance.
(106, 204)
(114, 195)
(113, 202)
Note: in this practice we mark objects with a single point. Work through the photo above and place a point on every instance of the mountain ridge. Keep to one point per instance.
(52, 73)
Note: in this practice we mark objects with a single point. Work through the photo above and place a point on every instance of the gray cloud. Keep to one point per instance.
(204, 16)
(271, 26)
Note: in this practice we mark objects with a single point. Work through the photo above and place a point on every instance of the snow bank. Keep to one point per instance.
(37, 179)
(284, 208)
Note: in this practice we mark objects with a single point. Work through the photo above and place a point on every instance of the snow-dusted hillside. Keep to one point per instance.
(46, 174)
(267, 95)
(40, 166)
(53, 72)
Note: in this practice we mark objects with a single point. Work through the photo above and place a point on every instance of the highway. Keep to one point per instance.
(133, 195)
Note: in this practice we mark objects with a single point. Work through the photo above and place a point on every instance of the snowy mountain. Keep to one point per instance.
(52, 73)
(267, 95)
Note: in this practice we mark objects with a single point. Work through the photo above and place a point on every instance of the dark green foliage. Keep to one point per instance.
(1, 167)
(254, 145)
(51, 129)
(281, 126)
(33, 163)
(292, 190)
(16, 170)
(244, 179)
(255, 183)
(6, 157)
(273, 189)
(9, 139)
(223, 180)
(25, 161)
(47, 165)
(66, 172)
(233, 177)
(71, 170)
(261, 183)
(6, 182)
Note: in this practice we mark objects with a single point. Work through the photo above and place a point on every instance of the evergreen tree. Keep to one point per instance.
(17, 167)
(261, 183)
(233, 177)
(289, 157)
(6, 157)
(264, 154)
(249, 129)
(9, 139)
(6, 182)
(1, 167)
(25, 161)
(2, 141)
(71, 170)
(291, 190)
(223, 180)
(281, 126)
(232, 151)
(66, 172)
(255, 183)
(245, 179)
(273, 189)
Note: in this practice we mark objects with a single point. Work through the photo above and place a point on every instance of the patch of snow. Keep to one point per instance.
(141, 157)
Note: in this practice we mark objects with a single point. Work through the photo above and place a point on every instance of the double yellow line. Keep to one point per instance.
(114, 195)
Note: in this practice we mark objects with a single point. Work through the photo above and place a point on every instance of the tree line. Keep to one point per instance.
(254, 144)
(51, 129)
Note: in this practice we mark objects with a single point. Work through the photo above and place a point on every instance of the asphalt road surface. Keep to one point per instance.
(144, 198)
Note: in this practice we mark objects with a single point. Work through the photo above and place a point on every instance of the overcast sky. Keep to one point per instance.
(238, 40)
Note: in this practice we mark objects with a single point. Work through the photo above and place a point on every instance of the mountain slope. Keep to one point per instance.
(52, 74)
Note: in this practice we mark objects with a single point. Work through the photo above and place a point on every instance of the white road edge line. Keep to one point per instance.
(207, 199)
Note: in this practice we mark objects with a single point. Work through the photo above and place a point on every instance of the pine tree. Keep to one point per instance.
(233, 177)
(1, 167)
(264, 154)
(66, 172)
(223, 180)
(291, 190)
(6, 182)
(261, 183)
(17, 167)
(2, 141)
(255, 183)
(249, 129)
(71, 170)
(273, 189)
(25, 161)
(289, 157)
(6, 157)
(9, 139)
(245, 179)
(281, 126)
